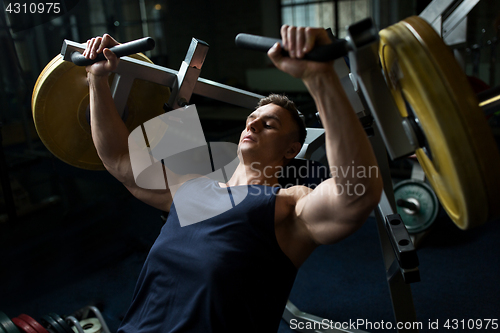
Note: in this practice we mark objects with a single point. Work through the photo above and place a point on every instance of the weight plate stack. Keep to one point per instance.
(462, 163)
(51, 325)
(61, 322)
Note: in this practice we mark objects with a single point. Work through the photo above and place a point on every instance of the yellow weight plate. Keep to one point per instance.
(60, 103)
(462, 162)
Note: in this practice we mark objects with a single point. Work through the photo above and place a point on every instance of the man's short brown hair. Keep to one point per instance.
(286, 103)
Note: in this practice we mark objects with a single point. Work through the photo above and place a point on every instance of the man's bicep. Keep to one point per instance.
(327, 217)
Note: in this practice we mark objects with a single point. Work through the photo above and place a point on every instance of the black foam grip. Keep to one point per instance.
(125, 49)
(337, 49)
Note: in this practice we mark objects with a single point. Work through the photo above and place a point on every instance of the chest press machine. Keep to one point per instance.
(420, 103)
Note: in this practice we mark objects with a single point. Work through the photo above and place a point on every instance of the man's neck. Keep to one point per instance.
(256, 174)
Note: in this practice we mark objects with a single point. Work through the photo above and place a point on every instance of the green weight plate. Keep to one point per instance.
(61, 322)
(421, 196)
(2, 330)
(6, 324)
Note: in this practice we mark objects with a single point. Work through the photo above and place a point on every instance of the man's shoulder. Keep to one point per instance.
(291, 195)
(287, 199)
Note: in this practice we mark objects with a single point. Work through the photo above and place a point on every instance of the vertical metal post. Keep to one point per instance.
(336, 13)
(401, 296)
(120, 89)
(188, 74)
(365, 67)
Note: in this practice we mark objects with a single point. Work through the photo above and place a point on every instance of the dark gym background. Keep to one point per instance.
(80, 238)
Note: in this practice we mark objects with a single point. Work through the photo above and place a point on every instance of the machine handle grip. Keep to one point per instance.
(125, 49)
(320, 53)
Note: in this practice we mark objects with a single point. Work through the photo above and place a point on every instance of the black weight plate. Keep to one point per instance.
(61, 322)
(7, 324)
(51, 325)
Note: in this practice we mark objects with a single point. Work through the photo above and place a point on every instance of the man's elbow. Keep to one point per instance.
(360, 205)
(375, 191)
(121, 169)
(372, 195)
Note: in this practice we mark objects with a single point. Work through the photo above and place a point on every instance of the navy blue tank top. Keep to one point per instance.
(223, 274)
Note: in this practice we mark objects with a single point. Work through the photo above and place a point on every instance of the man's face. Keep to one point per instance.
(269, 135)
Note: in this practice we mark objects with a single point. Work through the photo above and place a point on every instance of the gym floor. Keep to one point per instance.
(88, 246)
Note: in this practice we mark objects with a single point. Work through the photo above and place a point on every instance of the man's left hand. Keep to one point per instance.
(298, 41)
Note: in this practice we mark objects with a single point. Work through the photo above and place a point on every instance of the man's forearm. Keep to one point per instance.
(109, 133)
(350, 156)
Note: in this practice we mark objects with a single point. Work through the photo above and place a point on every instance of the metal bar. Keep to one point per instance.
(304, 322)
(438, 25)
(306, 3)
(228, 94)
(120, 88)
(336, 13)
(314, 139)
(401, 297)
(434, 10)
(458, 36)
(417, 172)
(364, 66)
(349, 85)
(72, 320)
(98, 315)
(167, 77)
(457, 16)
(384, 208)
(188, 74)
(135, 68)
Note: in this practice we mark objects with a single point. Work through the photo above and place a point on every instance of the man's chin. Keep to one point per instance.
(244, 149)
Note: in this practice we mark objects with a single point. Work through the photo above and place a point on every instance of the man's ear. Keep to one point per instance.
(293, 150)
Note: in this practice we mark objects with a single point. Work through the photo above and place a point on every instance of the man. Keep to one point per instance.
(233, 272)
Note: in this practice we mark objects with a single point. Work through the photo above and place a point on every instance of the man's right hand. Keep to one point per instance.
(97, 45)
